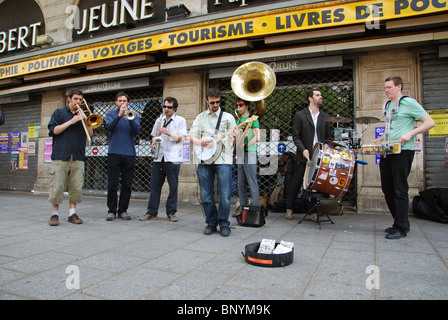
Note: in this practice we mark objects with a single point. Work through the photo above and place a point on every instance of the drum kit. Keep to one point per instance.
(330, 169)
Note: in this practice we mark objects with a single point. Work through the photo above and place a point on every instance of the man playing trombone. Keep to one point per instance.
(123, 125)
(67, 127)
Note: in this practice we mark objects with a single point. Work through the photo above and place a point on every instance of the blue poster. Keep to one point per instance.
(4, 143)
(379, 131)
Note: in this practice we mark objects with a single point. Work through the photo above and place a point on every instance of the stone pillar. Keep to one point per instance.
(371, 71)
(187, 88)
(51, 100)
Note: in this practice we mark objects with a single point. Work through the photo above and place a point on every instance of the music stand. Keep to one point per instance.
(317, 209)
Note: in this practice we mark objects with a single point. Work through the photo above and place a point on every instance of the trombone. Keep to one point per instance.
(93, 121)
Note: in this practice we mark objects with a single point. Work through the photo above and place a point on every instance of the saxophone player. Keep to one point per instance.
(172, 129)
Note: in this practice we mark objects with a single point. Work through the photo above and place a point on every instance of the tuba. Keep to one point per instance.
(254, 81)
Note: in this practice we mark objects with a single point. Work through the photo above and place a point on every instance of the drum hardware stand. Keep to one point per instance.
(317, 209)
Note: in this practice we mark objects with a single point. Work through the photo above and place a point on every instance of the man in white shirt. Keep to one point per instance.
(205, 124)
(309, 128)
(172, 129)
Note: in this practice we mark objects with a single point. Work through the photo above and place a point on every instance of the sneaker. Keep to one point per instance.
(124, 216)
(110, 217)
(147, 217)
(172, 217)
(74, 219)
(54, 220)
(225, 231)
(288, 215)
(209, 230)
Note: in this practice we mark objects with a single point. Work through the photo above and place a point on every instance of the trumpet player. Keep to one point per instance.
(121, 156)
(67, 156)
(172, 130)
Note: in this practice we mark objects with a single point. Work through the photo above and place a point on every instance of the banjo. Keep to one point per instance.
(208, 155)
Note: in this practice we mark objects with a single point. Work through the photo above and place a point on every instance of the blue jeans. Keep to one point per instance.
(160, 170)
(247, 175)
(119, 164)
(206, 175)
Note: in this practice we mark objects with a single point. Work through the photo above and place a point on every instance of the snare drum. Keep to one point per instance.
(330, 170)
(371, 149)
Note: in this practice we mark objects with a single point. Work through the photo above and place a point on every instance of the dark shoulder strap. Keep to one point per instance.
(219, 121)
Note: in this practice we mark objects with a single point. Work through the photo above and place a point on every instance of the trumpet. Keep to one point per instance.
(93, 121)
(130, 115)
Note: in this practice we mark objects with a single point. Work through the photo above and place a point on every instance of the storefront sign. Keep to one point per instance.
(19, 38)
(112, 85)
(301, 19)
(96, 18)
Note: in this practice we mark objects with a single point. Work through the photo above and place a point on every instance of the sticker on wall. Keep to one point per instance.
(333, 180)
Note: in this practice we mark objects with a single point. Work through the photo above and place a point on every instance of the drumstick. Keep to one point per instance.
(305, 176)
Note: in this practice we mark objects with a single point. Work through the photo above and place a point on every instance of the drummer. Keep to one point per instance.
(309, 127)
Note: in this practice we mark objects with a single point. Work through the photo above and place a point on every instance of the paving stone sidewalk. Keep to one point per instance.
(160, 259)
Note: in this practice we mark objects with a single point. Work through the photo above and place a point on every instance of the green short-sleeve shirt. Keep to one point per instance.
(403, 121)
(255, 124)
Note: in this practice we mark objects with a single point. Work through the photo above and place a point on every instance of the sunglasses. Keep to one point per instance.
(168, 107)
(214, 102)
(239, 104)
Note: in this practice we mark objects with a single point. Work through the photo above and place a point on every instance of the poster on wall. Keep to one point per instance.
(14, 162)
(24, 139)
(4, 143)
(440, 117)
(48, 148)
(23, 158)
(31, 148)
(15, 142)
(33, 129)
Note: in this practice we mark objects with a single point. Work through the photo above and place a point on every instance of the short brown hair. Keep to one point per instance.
(397, 81)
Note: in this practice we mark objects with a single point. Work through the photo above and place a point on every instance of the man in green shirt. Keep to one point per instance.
(400, 114)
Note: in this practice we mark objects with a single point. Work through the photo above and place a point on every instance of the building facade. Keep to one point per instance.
(154, 49)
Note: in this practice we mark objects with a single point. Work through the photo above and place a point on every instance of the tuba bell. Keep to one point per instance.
(254, 81)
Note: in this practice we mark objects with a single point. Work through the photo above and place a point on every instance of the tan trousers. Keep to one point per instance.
(66, 176)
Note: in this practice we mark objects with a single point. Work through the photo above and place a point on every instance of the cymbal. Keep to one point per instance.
(367, 120)
(337, 119)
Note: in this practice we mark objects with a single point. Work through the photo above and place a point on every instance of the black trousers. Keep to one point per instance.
(295, 184)
(395, 169)
(119, 164)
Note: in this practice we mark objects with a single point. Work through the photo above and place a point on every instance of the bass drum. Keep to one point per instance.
(330, 170)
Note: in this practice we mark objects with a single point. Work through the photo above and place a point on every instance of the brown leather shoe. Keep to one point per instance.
(74, 219)
(54, 220)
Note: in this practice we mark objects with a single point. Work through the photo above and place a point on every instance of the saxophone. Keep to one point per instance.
(157, 140)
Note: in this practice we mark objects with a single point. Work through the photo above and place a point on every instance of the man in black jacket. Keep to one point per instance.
(309, 127)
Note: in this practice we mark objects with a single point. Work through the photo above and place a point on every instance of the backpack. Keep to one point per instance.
(431, 204)
(251, 216)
